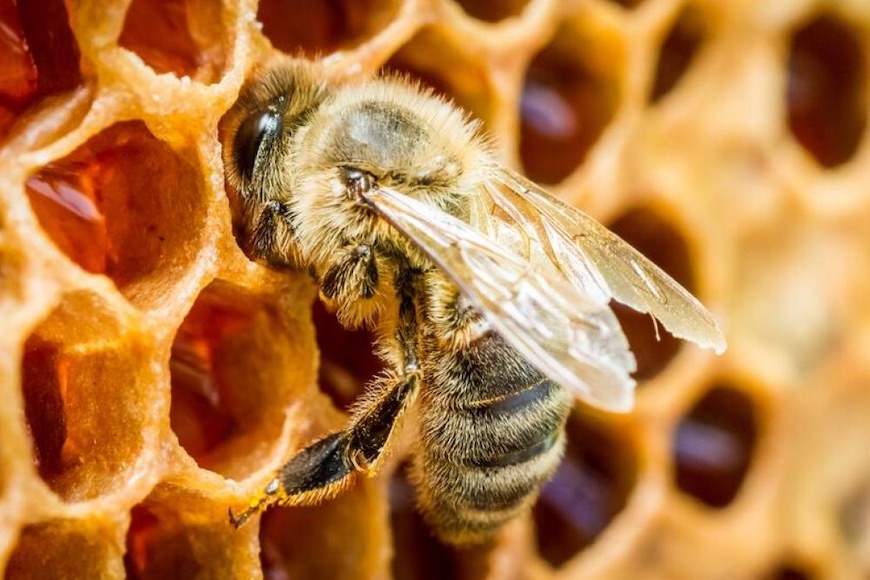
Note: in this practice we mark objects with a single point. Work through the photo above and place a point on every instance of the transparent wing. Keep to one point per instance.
(574, 340)
(592, 258)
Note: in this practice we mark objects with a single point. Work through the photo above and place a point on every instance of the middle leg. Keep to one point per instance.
(329, 465)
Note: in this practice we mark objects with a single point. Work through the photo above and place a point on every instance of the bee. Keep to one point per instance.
(489, 298)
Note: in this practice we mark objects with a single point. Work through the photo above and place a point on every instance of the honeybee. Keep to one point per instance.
(489, 297)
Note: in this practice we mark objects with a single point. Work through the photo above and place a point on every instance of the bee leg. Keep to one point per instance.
(272, 234)
(352, 275)
(328, 466)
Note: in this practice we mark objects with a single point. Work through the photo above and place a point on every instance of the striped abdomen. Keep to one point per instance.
(491, 434)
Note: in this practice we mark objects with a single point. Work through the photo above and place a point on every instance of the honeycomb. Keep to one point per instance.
(153, 376)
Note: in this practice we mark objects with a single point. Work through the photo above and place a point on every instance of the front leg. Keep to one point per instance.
(352, 275)
(273, 238)
(350, 284)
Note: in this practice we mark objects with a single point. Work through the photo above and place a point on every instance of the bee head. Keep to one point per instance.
(257, 132)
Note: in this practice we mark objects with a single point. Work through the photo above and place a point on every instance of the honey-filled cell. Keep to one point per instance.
(182, 37)
(125, 205)
(318, 28)
(236, 362)
(18, 84)
(38, 55)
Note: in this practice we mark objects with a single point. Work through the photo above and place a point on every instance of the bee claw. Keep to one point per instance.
(261, 503)
(236, 522)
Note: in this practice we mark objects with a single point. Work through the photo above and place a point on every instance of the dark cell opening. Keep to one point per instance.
(330, 540)
(182, 37)
(86, 432)
(317, 28)
(347, 361)
(143, 539)
(231, 368)
(653, 237)
(589, 489)
(159, 547)
(566, 104)
(178, 538)
(19, 81)
(51, 43)
(45, 379)
(827, 90)
(38, 55)
(628, 4)
(790, 572)
(123, 204)
(713, 446)
(489, 11)
(463, 82)
(417, 553)
(677, 52)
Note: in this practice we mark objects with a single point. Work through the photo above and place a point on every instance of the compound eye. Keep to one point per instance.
(256, 127)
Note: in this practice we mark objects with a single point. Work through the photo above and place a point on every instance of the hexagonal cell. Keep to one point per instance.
(464, 82)
(492, 11)
(340, 538)
(183, 37)
(678, 51)
(318, 28)
(237, 362)
(68, 549)
(347, 361)
(174, 534)
(588, 490)
(38, 54)
(570, 95)
(713, 446)
(656, 239)
(827, 89)
(87, 389)
(126, 205)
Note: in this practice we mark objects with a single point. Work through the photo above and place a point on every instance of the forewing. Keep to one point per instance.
(595, 259)
(569, 337)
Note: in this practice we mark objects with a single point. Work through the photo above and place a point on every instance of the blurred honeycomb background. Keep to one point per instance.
(152, 376)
